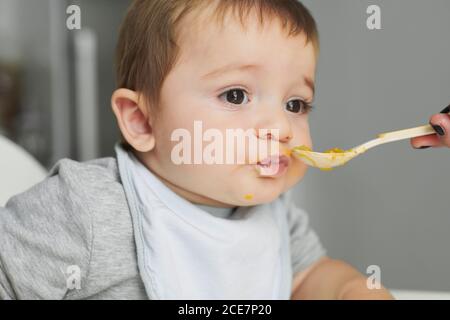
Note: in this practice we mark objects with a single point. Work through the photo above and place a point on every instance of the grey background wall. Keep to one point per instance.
(105, 16)
(389, 207)
(25, 41)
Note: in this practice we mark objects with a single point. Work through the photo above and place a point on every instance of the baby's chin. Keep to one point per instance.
(242, 185)
(259, 189)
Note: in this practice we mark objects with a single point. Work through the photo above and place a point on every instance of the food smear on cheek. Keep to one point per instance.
(287, 153)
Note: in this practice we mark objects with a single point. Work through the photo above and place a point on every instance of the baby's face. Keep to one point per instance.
(234, 78)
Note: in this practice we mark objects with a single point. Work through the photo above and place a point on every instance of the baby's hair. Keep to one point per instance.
(148, 48)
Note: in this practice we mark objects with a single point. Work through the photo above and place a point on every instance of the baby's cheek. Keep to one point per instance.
(301, 130)
(296, 172)
(302, 138)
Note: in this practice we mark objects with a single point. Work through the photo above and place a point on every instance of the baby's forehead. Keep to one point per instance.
(207, 20)
(208, 44)
(202, 35)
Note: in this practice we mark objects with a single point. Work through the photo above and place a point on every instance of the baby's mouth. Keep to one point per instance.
(273, 166)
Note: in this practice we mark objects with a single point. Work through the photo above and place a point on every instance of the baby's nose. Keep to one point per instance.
(275, 125)
(274, 134)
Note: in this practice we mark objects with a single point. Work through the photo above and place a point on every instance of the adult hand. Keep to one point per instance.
(441, 124)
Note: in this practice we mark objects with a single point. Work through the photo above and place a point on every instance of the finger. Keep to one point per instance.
(441, 124)
(428, 141)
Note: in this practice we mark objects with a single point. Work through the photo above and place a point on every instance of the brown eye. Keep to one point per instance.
(297, 106)
(235, 96)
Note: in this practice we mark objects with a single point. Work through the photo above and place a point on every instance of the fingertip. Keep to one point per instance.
(434, 119)
(428, 140)
(413, 142)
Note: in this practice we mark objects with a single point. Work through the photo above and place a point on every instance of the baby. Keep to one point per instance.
(147, 225)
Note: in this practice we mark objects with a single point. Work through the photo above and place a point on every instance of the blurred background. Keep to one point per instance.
(55, 83)
(388, 208)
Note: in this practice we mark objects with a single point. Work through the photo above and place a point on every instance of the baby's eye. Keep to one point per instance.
(298, 106)
(235, 96)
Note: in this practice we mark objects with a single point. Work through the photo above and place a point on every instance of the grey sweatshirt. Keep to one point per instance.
(71, 237)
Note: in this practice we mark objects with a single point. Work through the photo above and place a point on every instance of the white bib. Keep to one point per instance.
(185, 252)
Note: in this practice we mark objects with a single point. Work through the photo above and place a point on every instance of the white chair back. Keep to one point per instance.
(18, 170)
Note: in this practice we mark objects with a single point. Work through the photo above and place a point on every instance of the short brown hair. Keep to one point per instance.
(147, 48)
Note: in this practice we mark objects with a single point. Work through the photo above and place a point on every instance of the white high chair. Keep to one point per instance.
(419, 295)
(18, 170)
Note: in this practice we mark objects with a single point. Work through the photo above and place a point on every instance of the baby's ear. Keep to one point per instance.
(133, 119)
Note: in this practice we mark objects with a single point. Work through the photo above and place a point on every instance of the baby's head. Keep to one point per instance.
(196, 76)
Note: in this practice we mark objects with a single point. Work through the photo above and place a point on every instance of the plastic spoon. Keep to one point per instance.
(336, 157)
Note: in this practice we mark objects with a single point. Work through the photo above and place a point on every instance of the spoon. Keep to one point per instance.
(337, 157)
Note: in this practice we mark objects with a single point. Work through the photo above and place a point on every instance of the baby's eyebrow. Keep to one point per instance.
(228, 68)
(242, 67)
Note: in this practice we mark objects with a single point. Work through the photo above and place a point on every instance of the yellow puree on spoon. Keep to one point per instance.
(335, 154)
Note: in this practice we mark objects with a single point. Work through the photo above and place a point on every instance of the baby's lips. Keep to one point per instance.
(267, 171)
(285, 152)
(270, 166)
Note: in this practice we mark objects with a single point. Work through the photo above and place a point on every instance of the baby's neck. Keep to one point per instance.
(219, 212)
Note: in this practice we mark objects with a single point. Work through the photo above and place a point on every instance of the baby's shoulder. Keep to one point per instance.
(71, 194)
(58, 222)
(86, 174)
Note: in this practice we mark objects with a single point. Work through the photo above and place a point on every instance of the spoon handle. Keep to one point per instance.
(407, 133)
(395, 136)
(400, 135)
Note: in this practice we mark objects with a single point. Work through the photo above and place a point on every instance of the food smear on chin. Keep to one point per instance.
(248, 196)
